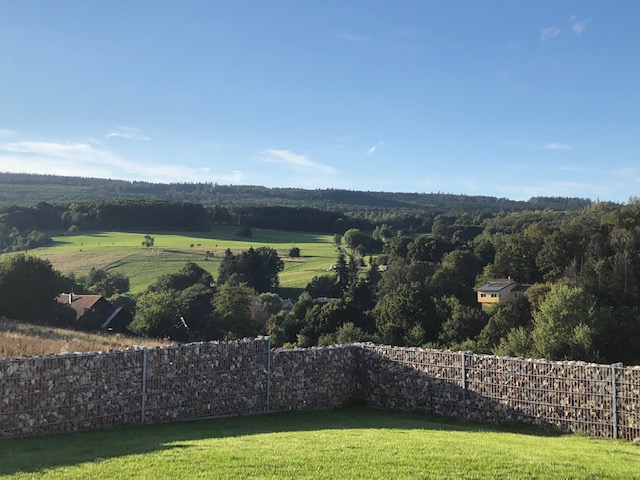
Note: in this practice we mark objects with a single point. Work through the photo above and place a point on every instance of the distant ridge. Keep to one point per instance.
(30, 189)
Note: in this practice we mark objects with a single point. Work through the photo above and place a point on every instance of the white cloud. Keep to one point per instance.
(86, 160)
(558, 146)
(375, 147)
(549, 33)
(579, 27)
(129, 133)
(299, 162)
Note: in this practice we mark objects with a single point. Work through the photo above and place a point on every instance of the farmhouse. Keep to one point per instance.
(499, 290)
(95, 311)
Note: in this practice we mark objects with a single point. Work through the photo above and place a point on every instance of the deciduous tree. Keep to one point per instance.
(28, 288)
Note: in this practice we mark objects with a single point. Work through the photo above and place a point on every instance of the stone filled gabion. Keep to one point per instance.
(413, 379)
(599, 400)
(68, 392)
(314, 378)
(206, 379)
(85, 391)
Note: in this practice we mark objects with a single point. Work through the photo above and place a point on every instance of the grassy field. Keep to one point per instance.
(350, 443)
(122, 252)
(19, 339)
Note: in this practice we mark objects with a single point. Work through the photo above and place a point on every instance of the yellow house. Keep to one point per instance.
(499, 290)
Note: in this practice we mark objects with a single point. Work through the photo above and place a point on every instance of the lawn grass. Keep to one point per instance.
(349, 443)
(122, 252)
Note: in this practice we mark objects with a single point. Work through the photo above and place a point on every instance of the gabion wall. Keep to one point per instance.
(69, 392)
(72, 392)
(206, 379)
(413, 379)
(314, 378)
(599, 400)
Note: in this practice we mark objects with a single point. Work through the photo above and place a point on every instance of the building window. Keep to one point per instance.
(500, 295)
(493, 295)
(483, 295)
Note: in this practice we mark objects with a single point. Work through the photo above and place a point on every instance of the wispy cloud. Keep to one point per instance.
(84, 159)
(299, 162)
(5, 132)
(352, 38)
(578, 26)
(558, 146)
(374, 147)
(129, 133)
(580, 169)
(549, 33)
(575, 25)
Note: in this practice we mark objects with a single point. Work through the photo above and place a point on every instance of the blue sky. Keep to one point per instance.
(504, 98)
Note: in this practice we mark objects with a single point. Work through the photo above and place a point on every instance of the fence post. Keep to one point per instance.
(143, 398)
(614, 399)
(268, 392)
(464, 384)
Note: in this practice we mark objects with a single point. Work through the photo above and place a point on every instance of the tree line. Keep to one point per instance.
(22, 189)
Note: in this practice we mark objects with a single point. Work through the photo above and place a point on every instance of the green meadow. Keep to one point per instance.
(350, 443)
(123, 252)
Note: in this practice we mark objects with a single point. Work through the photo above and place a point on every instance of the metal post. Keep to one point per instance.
(143, 398)
(464, 384)
(268, 389)
(614, 399)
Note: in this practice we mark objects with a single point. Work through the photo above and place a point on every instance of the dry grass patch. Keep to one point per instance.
(18, 339)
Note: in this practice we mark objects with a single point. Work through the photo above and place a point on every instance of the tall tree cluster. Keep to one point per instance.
(584, 302)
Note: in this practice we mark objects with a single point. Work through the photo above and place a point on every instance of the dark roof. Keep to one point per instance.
(495, 285)
(80, 303)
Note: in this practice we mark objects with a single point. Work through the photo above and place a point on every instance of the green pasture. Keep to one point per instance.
(123, 252)
(350, 443)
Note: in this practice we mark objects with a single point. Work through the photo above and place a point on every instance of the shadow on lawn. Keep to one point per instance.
(36, 454)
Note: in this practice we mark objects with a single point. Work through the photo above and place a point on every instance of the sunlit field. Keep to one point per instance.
(350, 443)
(123, 252)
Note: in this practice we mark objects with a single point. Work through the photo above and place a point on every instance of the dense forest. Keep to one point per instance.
(27, 190)
(404, 278)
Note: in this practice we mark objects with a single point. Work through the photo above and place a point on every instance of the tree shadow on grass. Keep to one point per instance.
(37, 454)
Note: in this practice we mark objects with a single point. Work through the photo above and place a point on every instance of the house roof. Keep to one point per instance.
(325, 299)
(80, 303)
(287, 304)
(496, 285)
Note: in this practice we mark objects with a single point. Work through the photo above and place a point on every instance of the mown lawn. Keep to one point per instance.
(122, 252)
(349, 443)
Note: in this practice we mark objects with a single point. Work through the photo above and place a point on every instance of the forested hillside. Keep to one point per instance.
(27, 190)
